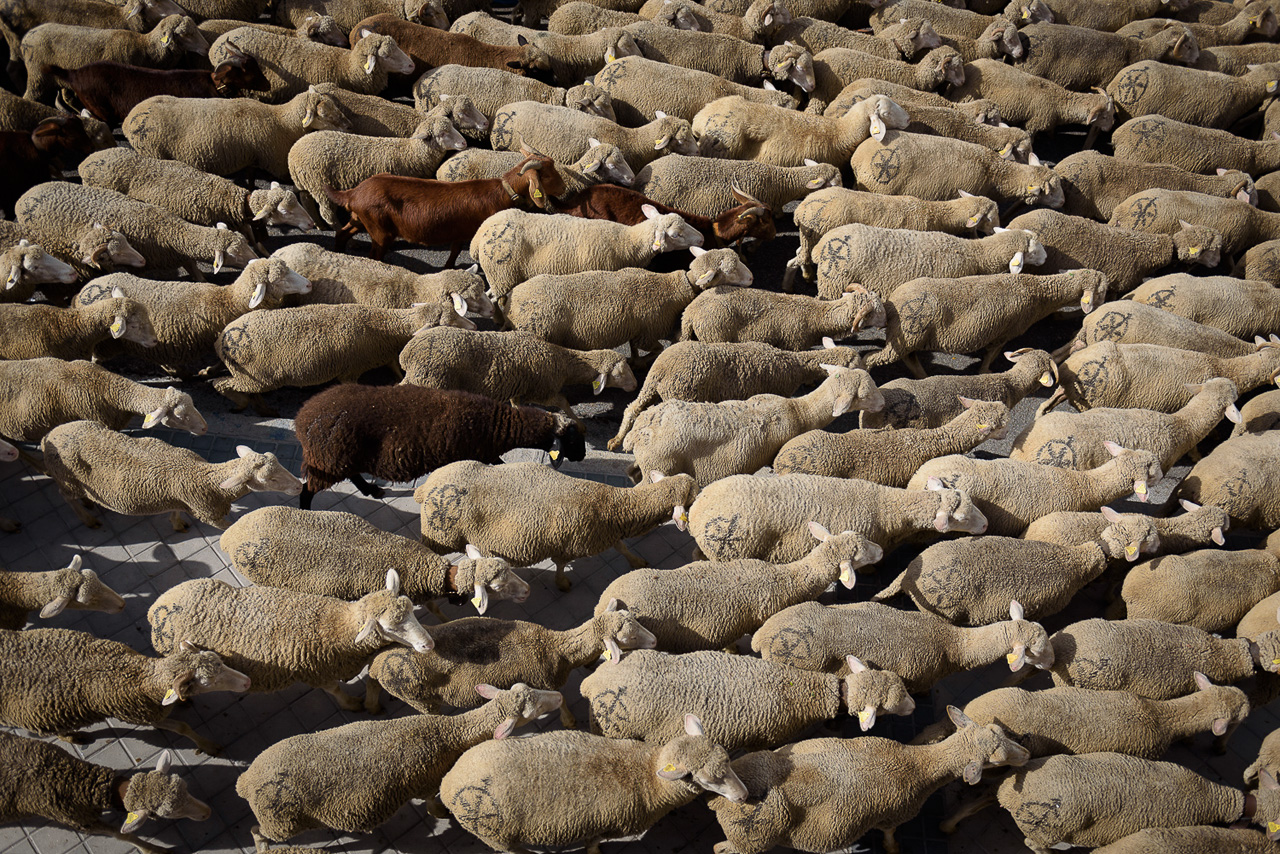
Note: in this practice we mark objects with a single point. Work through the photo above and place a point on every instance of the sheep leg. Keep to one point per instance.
(194, 272)
(345, 700)
(891, 845)
(373, 696)
(634, 559)
(367, 488)
(1058, 396)
(179, 524)
(567, 719)
(629, 416)
(912, 361)
(562, 582)
(436, 808)
(203, 745)
(725, 847)
(454, 250)
(593, 847)
(76, 502)
(102, 829)
(75, 737)
(36, 461)
(974, 807)
(260, 406)
(989, 356)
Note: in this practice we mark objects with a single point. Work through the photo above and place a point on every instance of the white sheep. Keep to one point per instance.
(513, 246)
(741, 129)
(280, 637)
(715, 440)
(786, 321)
(641, 88)
(53, 592)
(704, 185)
(36, 331)
(564, 133)
(291, 64)
(145, 476)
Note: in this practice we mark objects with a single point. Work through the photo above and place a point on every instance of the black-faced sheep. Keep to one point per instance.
(402, 432)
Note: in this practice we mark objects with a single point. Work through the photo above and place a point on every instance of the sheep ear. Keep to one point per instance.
(56, 607)
(487, 691)
(820, 533)
(769, 87)
(473, 552)
(1032, 160)
(134, 820)
(650, 212)
(153, 418)
(1112, 448)
(1110, 515)
(393, 581)
(856, 664)
(1268, 780)
(593, 142)
(966, 195)
(365, 630)
(164, 762)
(612, 606)
(655, 476)
(697, 251)
(828, 343)
(1016, 611)
(117, 292)
(1185, 224)
(1189, 506)
(671, 772)
(693, 725)
(370, 63)
(934, 484)
(659, 114)
(259, 294)
(966, 402)
(959, 718)
(810, 162)
(243, 451)
(1202, 681)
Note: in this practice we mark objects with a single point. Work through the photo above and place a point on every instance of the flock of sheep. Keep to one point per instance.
(566, 154)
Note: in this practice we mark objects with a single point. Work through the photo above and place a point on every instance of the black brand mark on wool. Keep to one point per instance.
(1149, 130)
(236, 341)
(1132, 86)
(1144, 211)
(901, 408)
(277, 795)
(609, 75)
(838, 249)
(887, 164)
(1058, 452)
(477, 810)
(943, 586)
(1038, 814)
(161, 631)
(94, 293)
(1161, 298)
(445, 502)
(1090, 668)
(723, 535)
(1094, 375)
(500, 246)
(1236, 488)
(749, 816)
(793, 644)
(1268, 266)
(611, 710)
(502, 135)
(913, 315)
(247, 554)
(1112, 326)
(397, 673)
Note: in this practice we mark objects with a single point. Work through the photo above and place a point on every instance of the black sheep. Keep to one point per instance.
(401, 432)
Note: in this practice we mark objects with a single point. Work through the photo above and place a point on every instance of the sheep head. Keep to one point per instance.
(374, 51)
(437, 130)
(1028, 641)
(428, 14)
(1003, 34)
(31, 265)
(791, 62)
(910, 37)
(614, 371)
(715, 267)
(570, 443)
(864, 308)
(940, 65)
(846, 552)
(278, 206)
(487, 575)
(617, 629)
(389, 616)
(749, 218)
(1204, 524)
(254, 472)
(1197, 244)
(80, 590)
(177, 412)
(105, 248)
(1038, 362)
(604, 163)
(231, 248)
(956, 510)
(129, 319)
(985, 746)
(161, 794)
(1137, 466)
(868, 693)
(673, 134)
(1128, 536)
(989, 418)
(621, 44)
(679, 490)
(699, 762)
(318, 111)
(462, 111)
(591, 99)
(325, 30)
(239, 72)
(195, 671)
(519, 705)
(668, 232)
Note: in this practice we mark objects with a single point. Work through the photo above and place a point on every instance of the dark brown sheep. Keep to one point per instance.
(57, 142)
(400, 433)
(424, 210)
(749, 218)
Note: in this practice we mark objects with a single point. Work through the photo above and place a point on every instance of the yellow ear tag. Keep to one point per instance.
(1272, 827)
(875, 128)
(863, 716)
(131, 817)
(609, 57)
(1046, 379)
(1031, 188)
(1130, 550)
(1140, 488)
(475, 601)
(537, 194)
(555, 455)
(973, 220)
(668, 769)
(657, 246)
(1193, 251)
(1004, 152)
(164, 40)
(115, 327)
(983, 426)
(168, 695)
(1275, 661)
(608, 656)
(596, 385)
(1011, 657)
(844, 576)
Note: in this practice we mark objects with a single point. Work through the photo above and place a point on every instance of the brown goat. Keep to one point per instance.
(109, 90)
(423, 210)
(749, 218)
(57, 143)
(430, 48)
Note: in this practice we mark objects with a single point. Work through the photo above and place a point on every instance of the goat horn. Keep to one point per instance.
(529, 164)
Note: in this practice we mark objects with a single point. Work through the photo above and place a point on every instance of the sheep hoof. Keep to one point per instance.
(437, 808)
(208, 748)
(614, 444)
(563, 583)
(75, 738)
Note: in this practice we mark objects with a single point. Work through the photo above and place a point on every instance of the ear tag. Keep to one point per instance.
(1011, 658)
(537, 194)
(973, 220)
(596, 385)
(1046, 379)
(984, 426)
(657, 246)
(668, 769)
(131, 817)
(1031, 188)
(844, 576)
(1275, 661)
(168, 695)
(115, 327)
(608, 656)
(475, 601)
(1193, 251)
(1272, 827)
(1130, 550)
(555, 455)
(863, 716)
(1140, 488)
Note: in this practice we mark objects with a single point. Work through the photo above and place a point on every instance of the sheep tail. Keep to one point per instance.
(894, 588)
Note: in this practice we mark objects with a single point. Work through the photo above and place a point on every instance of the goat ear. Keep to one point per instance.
(521, 40)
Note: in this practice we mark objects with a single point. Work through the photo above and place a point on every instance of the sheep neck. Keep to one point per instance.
(25, 590)
(217, 473)
(579, 370)
(581, 645)
(940, 763)
(1248, 372)
(954, 437)
(645, 506)
(978, 647)
(815, 409)
(800, 580)
(1182, 717)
